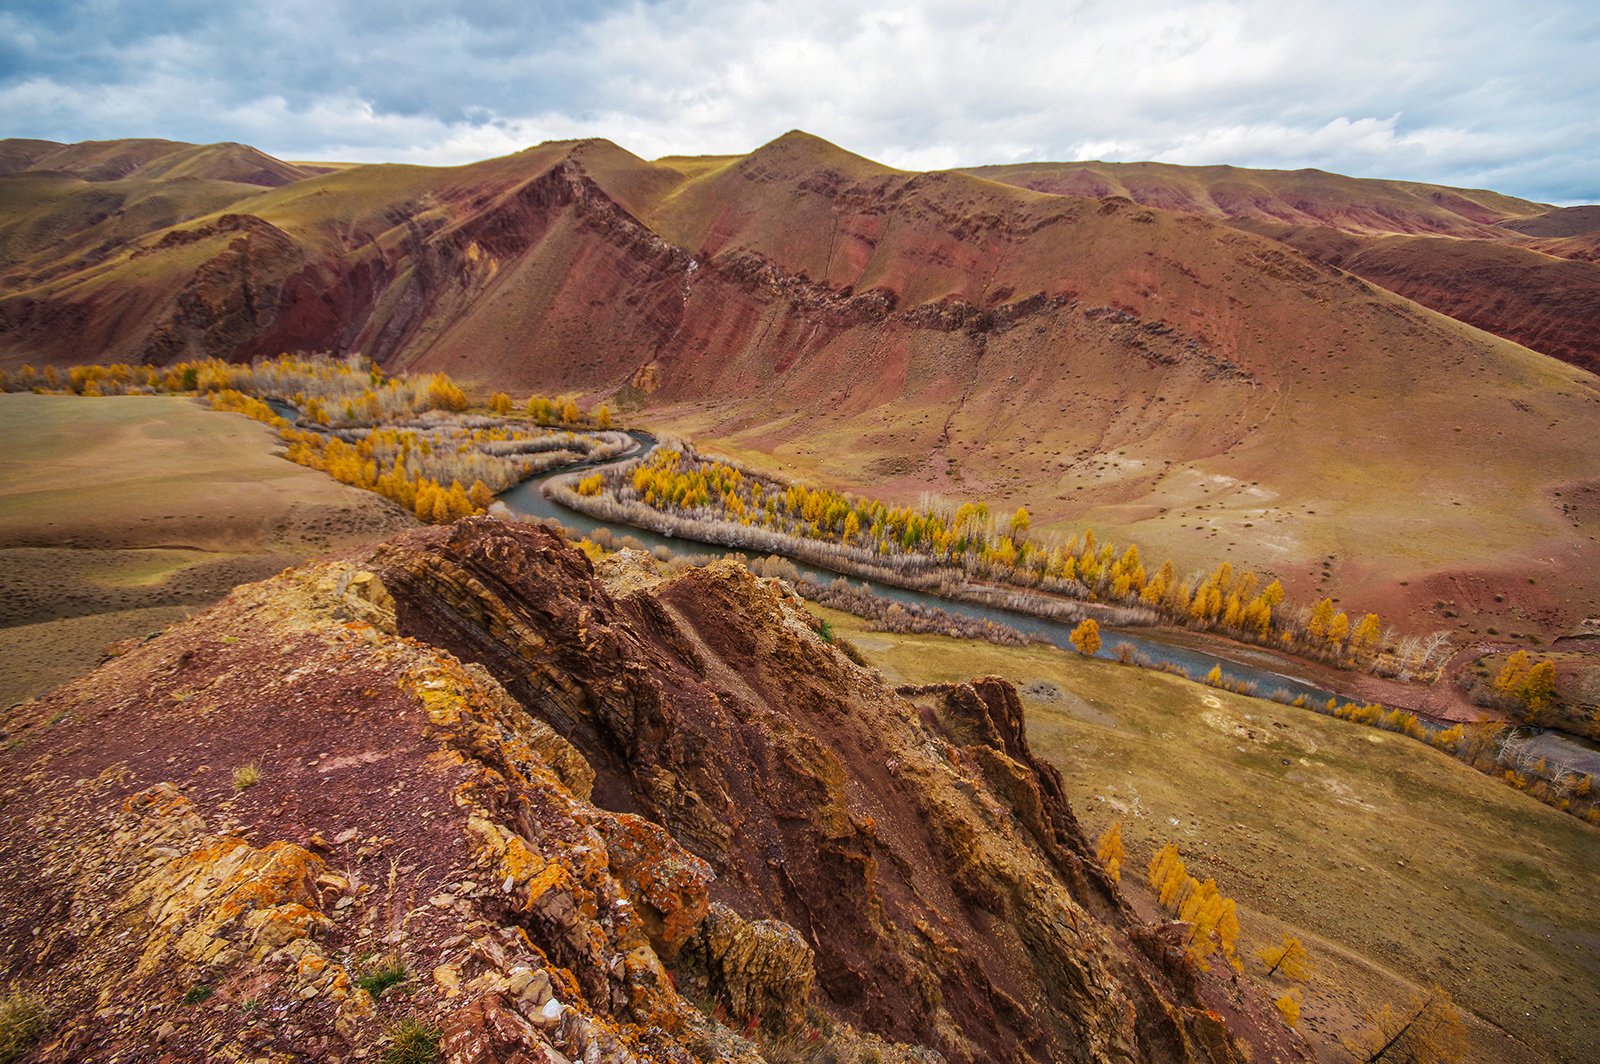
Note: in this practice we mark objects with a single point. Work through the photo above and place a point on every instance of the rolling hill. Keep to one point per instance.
(1151, 369)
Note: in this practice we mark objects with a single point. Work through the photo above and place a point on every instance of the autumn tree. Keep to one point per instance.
(479, 495)
(1167, 875)
(852, 526)
(1338, 629)
(1512, 674)
(1086, 637)
(1288, 1007)
(1321, 619)
(1110, 850)
(500, 403)
(1367, 634)
(602, 417)
(1538, 689)
(1289, 958)
(1427, 1030)
(1213, 917)
(1020, 521)
(444, 394)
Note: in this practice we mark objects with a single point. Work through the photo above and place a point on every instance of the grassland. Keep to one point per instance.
(1397, 865)
(118, 515)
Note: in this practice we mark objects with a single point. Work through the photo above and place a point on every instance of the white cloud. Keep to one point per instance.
(1458, 91)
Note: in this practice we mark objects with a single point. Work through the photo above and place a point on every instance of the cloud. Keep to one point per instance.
(1476, 92)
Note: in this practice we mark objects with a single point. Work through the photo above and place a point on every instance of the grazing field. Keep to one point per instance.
(118, 515)
(1398, 866)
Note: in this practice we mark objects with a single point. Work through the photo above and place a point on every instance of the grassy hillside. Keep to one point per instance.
(1397, 865)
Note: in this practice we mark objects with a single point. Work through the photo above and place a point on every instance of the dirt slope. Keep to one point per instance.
(658, 804)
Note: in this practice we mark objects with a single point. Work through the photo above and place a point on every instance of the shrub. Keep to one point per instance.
(412, 1042)
(23, 1020)
(247, 775)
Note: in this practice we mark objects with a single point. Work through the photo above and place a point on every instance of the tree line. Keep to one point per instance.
(966, 537)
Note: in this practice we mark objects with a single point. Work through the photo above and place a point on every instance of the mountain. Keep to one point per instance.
(115, 160)
(1163, 375)
(610, 815)
(1469, 253)
(1298, 197)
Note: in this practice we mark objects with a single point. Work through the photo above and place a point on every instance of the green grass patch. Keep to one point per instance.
(379, 979)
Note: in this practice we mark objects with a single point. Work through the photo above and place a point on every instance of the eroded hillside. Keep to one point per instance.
(542, 813)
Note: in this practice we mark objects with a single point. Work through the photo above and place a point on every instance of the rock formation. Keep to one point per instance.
(541, 812)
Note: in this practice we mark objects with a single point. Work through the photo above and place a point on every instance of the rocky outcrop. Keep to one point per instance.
(551, 814)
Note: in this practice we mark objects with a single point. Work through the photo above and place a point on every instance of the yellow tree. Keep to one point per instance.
(1289, 958)
(1366, 635)
(500, 403)
(1339, 628)
(1321, 619)
(1110, 850)
(1086, 637)
(1228, 934)
(1288, 1007)
(444, 394)
(602, 416)
(1538, 688)
(1427, 1030)
(1513, 673)
(1168, 875)
(1020, 521)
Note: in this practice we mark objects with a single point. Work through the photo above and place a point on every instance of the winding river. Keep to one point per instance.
(528, 499)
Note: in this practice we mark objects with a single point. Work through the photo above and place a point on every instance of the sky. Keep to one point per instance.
(1476, 93)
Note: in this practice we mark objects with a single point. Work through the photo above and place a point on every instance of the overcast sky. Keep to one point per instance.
(1482, 93)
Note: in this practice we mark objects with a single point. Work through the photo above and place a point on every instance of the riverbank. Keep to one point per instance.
(1197, 656)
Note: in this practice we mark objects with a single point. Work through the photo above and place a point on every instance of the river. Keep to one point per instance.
(528, 499)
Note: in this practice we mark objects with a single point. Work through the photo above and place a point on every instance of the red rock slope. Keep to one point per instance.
(1492, 261)
(615, 818)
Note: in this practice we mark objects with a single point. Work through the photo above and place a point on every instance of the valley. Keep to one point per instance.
(279, 731)
(1139, 369)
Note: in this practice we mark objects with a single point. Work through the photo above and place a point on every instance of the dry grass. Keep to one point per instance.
(246, 776)
(118, 515)
(1397, 866)
(23, 1021)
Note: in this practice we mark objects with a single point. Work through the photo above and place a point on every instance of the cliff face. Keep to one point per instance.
(601, 816)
